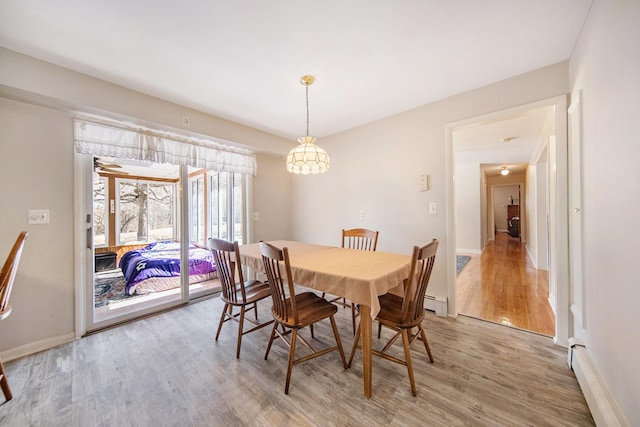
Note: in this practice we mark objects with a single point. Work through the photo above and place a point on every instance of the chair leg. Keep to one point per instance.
(353, 317)
(292, 352)
(338, 342)
(240, 330)
(379, 329)
(273, 334)
(4, 384)
(356, 339)
(407, 355)
(222, 316)
(426, 343)
(311, 327)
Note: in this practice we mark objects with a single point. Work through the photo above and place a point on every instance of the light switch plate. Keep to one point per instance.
(433, 208)
(38, 216)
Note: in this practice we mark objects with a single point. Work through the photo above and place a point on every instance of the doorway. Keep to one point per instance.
(506, 210)
(552, 140)
(135, 212)
(138, 216)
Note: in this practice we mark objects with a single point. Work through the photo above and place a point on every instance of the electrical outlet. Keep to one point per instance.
(361, 214)
(256, 216)
(424, 182)
(186, 121)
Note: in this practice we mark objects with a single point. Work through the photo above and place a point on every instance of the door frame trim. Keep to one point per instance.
(83, 257)
(558, 192)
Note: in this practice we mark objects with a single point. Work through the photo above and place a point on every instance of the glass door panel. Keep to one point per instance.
(238, 208)
(136, 240)
(202, 277)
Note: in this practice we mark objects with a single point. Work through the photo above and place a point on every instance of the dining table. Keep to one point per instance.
(357, 275)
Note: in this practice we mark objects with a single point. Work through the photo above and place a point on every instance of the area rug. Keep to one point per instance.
(109, 288)
(461, 262)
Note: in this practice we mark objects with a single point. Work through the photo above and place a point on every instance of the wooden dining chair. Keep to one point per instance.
(361, 239)
(236, 292)
(7, 277)
(294, 311)
(403, 313)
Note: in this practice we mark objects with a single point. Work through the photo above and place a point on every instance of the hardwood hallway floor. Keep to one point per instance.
(502, 286)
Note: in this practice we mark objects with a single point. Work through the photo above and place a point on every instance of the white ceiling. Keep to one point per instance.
(509, 140)
(242, 60)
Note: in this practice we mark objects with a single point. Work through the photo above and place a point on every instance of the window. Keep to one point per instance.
(237, 197)
(213, 206)
(224, 201)
(146, 211)
(198, 213)
(100, 213)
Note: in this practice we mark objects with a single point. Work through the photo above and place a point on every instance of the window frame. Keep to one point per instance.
(222, 211)
(105, 216)
(174, 209)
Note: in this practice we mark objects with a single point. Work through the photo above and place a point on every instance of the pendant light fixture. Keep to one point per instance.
(307, 158)
(504, 171)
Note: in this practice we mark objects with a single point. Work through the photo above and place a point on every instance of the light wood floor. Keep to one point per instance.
(168, 370)
(502, 286)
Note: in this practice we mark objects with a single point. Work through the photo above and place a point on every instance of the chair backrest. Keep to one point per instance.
(8, 274)
(360, 238)
(422, 262)
(281, 285)
(226, 257)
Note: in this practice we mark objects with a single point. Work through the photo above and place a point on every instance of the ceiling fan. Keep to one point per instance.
(107, 167)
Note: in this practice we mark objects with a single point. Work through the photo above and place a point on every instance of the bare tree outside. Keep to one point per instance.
(99, 211)
(146, 211)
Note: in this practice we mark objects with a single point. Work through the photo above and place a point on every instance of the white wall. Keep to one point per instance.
(384, 182)
(37, 103)
(272, 199)
(605, 67)
(37, 173)
(468, 203)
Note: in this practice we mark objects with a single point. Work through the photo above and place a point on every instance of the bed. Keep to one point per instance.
(162, 260)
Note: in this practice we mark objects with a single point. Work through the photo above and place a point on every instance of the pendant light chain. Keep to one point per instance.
(307, 97)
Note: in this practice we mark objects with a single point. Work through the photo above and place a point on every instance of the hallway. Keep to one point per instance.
(502, 286)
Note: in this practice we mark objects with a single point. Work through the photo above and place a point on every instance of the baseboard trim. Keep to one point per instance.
(436, 304)
(468, 251)
(36, 347)
(604, 409)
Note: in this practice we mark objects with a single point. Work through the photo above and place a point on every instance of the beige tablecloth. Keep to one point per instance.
(360, 276)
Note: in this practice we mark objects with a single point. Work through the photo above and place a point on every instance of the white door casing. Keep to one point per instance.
(577, 294)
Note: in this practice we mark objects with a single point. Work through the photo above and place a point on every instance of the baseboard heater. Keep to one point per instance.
(603, 407)
(439, 305)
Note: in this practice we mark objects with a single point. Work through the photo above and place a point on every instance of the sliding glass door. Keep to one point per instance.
(136, 210)
(146, 223)
(141, 264)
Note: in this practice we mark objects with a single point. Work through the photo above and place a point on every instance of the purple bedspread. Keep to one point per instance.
(162, 259)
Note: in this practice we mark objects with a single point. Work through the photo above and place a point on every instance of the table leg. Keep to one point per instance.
(365, 326)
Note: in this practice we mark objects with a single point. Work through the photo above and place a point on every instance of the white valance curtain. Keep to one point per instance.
(127, 141)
